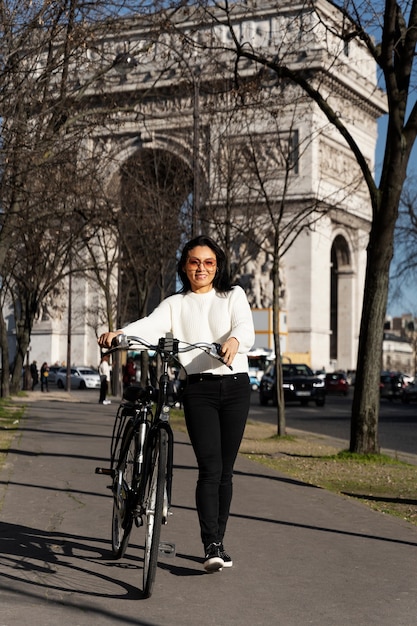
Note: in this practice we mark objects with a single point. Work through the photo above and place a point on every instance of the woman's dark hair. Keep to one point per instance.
(221, 280)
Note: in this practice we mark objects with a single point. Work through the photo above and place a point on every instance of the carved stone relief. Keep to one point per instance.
(257, 281)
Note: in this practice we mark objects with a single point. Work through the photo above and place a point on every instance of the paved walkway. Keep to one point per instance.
(303, 556)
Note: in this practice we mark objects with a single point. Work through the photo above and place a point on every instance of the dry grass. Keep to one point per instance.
(10, 415)
(380, 482)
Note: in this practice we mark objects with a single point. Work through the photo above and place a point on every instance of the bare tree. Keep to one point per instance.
(45, 115)
(55, 226)
(154, 185)
(405, 260)
(388, 31)
(255, 206)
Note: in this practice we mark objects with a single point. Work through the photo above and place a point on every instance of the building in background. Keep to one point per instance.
(323, 271)
(400, 345)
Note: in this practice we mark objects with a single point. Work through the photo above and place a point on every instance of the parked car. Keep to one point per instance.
(320, 373)
(409, 393)
(337, 382)
(53, 371)
(81, 378)
(299, 385)
(254, 383)
(391, 385)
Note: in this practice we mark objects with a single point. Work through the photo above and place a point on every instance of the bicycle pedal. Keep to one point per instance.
(167, 549)
(106, 471)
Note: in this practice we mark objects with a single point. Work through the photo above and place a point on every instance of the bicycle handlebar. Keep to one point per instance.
(167, 346)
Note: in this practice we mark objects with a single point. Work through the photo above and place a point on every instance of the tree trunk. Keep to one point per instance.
(144, 368)
(23, 331)
(365, 405)
(5, 367)
(16, 382)
(281, 424)
(365, 413)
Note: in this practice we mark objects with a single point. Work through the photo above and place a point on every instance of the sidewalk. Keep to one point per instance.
(60, 395)
(303, 556)
(90, 396)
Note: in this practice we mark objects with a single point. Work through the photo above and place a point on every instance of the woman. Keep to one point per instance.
(216, 399)
(44, 376)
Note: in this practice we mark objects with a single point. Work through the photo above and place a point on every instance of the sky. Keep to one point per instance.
(407, 301)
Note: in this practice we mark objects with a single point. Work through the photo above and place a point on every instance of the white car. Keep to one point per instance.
(81, 378)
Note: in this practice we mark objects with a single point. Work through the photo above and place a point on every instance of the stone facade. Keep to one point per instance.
(399, 348)
(322, 272)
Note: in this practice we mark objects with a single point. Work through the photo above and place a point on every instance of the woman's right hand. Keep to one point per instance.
(105, 340)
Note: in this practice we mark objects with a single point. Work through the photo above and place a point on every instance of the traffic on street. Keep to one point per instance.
(397, 421)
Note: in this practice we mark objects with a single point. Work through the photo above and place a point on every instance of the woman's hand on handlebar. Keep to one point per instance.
(228, 350)
(105, 340)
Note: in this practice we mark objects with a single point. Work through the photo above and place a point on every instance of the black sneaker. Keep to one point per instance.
(213, 562)
(226, 557)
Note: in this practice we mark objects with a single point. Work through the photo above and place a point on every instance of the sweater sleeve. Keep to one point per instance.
(154, 326)
(242, 320)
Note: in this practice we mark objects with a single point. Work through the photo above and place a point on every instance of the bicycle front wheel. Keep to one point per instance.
(155, 497)
(124, 483)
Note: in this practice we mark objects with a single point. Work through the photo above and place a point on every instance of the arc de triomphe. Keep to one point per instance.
(169, 98)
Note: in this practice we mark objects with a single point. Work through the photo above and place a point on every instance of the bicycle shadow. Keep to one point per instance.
(35, 562)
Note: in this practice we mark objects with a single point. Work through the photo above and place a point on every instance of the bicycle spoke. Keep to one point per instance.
(154, 510)
(122, 518)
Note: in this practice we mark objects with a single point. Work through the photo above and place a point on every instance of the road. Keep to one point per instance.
(302, 555)
(397, 421)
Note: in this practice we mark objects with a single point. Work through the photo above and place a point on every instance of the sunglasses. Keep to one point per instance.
(209, 264)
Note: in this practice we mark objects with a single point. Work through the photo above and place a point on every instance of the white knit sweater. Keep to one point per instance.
(195, 317)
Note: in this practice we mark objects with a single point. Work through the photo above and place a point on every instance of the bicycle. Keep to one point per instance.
(141, 454)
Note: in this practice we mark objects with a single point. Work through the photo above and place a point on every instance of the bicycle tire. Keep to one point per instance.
(155, 497)
(124, 483)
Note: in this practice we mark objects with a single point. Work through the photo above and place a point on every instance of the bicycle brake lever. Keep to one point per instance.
(215, 351)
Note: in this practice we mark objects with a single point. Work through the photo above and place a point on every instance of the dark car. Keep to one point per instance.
(409, 393)
(338, 383)
(391, 385)
(299, 384)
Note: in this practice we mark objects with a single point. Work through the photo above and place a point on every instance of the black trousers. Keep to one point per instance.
(103, 390)
(215, 411)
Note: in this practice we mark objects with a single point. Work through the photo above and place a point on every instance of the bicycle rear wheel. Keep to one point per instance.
(155, 497)
(123, 486)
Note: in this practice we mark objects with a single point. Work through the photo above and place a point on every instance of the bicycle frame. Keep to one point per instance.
(159, 420)
(142, 487)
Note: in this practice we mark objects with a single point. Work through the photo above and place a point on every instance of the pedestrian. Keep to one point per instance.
(215, 400)
(44, 376)
(35, 374)
(104, 371)
(129, 373)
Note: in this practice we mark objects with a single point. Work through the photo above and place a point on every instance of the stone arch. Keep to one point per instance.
(341, 303)
(177, 146)
(155, 185)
